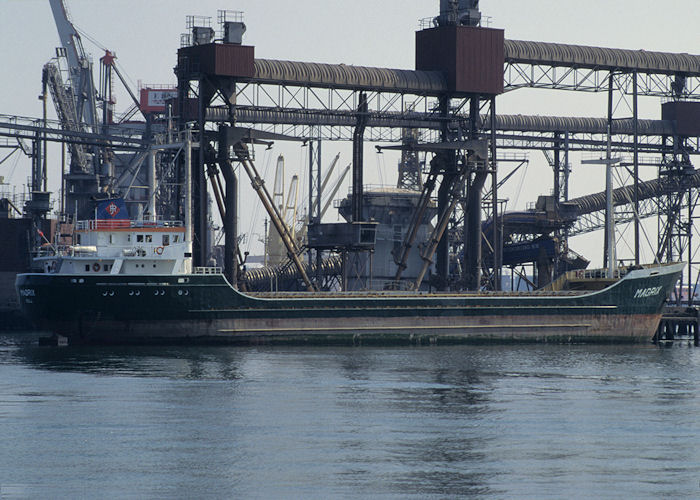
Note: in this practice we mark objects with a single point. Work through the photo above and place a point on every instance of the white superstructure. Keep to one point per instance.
(121, 247)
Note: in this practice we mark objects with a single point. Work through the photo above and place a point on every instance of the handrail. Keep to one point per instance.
(103, 224)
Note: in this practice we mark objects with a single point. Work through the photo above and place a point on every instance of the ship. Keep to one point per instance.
(19, 231)
(127, 281)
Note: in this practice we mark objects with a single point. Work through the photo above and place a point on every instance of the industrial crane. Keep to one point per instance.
(79, 67)
(93, 169)
(76, 106)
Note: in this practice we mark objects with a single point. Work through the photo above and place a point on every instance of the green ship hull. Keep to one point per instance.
(205, 308)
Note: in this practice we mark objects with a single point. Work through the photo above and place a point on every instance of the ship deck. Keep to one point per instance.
(412, 294)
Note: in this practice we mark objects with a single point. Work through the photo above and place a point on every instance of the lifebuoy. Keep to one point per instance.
(96, 267)
(159, 250)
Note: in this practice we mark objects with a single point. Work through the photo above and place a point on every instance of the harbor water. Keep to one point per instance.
(517, 421)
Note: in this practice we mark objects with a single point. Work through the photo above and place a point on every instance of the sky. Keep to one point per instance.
(145, 36)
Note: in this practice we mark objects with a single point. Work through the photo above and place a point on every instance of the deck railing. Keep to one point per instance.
(106, 224)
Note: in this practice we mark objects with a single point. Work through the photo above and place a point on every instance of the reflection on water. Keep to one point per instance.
(482, 421)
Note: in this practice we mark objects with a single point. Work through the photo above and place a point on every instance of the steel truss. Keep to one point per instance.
(595, 221)
(327, 110)
(387, 128)
(523, 75)
(27, 128)
(305, 111)
(675, 224)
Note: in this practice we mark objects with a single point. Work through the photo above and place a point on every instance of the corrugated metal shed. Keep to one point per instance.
(470, 57)
(219, 59)
(685, 114)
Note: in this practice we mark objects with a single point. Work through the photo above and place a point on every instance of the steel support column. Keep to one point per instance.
(152, 186)
(473, 245)
(230, 223)
(230, 214)
(557, 195)
(200, 247)
(447, 164)
(609, 211)
(472, 218)
(557, 169)
(567, 167)
(357, 159)
(635, 149)
(315, 194)
(497, 234)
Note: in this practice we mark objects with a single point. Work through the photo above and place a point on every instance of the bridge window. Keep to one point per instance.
(139, 238)
(166, 240)
(149, 238)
